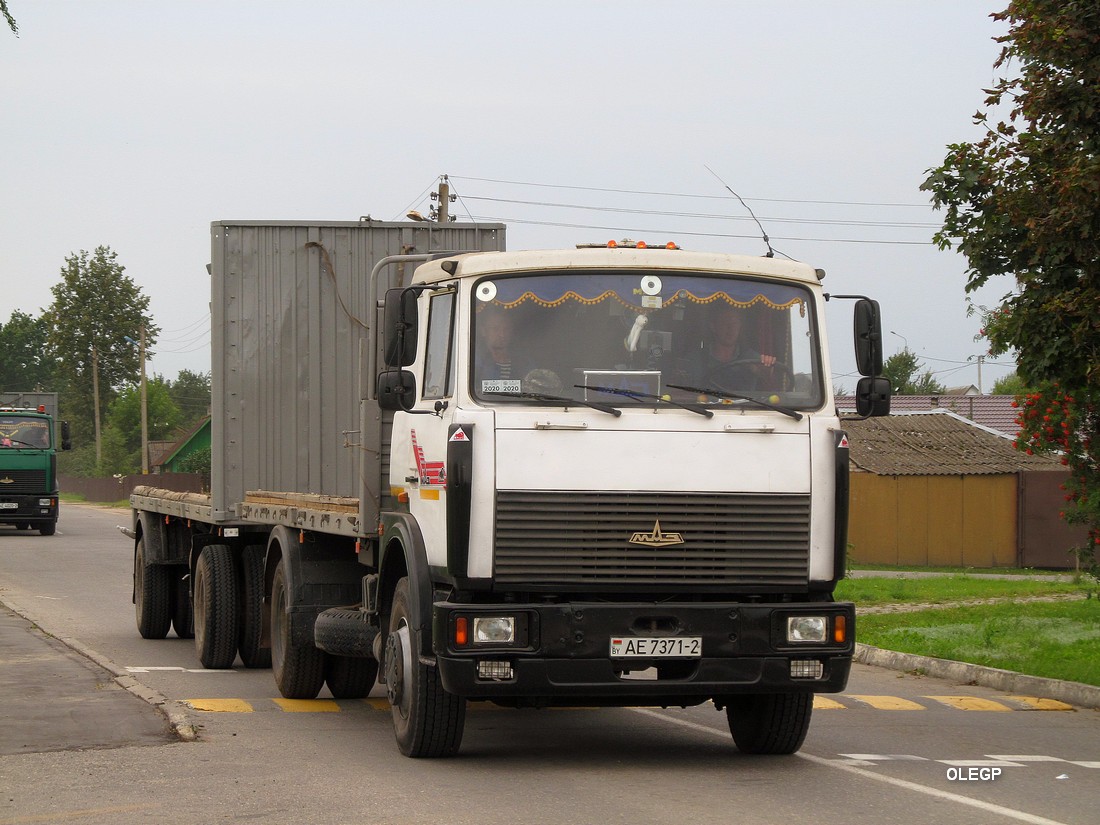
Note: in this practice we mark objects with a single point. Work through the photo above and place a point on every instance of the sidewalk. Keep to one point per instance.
(56, 699)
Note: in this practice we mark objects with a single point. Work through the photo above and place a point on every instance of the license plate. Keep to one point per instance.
(658, 647)
(8, 505)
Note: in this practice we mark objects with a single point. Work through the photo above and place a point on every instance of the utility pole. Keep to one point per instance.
(442, 214)
(95, 406)
(145, 408)
(981, 360)
(140, 344)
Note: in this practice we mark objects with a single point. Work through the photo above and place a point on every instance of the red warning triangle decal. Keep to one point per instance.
(459, 435)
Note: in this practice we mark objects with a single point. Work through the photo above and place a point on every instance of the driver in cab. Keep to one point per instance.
(725, 361)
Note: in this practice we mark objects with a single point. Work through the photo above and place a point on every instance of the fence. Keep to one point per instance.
(1008, 520)
(119, 489)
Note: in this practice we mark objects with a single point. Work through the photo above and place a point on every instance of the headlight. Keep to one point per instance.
(45, 502)
(494, 630)
(807, 629)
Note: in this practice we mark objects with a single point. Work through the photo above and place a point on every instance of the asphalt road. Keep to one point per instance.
(82, 742)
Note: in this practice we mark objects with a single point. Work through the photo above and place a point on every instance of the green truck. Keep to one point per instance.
(28, 460)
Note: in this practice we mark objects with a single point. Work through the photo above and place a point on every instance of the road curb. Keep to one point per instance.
(1072, 693)
(174, 712)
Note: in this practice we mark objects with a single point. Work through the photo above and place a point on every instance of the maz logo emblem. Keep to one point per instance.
(7, 480)
(657, 537)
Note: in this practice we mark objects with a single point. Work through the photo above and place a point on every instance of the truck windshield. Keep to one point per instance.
(645, 338)
(18, 431)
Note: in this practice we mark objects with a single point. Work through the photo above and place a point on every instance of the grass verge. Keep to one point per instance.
(1056, 640)
(879, 591)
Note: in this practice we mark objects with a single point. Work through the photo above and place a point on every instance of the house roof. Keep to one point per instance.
(936, 442)
(993, 411)
(178, 445)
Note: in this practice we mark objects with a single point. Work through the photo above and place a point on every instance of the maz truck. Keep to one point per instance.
(605, 476)
(29, 441)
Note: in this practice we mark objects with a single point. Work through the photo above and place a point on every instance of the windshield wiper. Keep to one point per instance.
(638, 396)
(538, 396)
(732, 396)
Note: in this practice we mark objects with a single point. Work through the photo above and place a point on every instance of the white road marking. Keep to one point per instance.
(139, 669)
(988, 807)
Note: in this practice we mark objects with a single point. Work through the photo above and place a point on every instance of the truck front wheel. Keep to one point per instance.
(299, 669)
(216, 607)
(152, 595)
(769, 723)
(427, 720)
(48, 529)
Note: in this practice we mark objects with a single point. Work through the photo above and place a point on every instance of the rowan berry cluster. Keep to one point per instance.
(1052, 420)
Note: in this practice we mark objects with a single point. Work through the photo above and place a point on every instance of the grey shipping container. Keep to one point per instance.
(30, 400)
(290, 319)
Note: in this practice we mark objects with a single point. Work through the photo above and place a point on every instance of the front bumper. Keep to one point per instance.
(563, 653)
(28, 509)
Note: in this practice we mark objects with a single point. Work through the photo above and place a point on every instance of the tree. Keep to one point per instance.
(95, 306)
(1011, 384)
(191, 393)
(7, 16)
(23, 362)
(124, 420)
(902, 370)
(1024, 202)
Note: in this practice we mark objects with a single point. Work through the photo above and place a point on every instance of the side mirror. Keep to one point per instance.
(66, 437)
(868, 337)
(872, 397)
(395, 390)
(399, 327)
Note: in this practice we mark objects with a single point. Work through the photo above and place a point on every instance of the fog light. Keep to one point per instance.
(806, 629)
(806, 669)
(498, 630)
(491, 670)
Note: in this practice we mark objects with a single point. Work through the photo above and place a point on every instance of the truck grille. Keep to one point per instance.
(20, 482)
(728, 539)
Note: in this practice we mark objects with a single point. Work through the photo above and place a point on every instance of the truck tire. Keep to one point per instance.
(183, 616)
(48, 529)
(427, 720)
(152, 595)
(350, 677)
(216, 608)
(252, 608)
(769, 723)
(299, 669)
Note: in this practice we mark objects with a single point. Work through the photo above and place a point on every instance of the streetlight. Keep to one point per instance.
(144, 402)
(903, 338)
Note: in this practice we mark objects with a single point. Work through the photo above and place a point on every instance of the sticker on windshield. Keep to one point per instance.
(500, 385)
(486, 291)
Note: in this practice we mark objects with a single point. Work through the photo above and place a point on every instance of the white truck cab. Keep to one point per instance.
(616, 476)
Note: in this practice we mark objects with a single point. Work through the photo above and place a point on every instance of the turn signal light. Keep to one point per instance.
(840, 630)
(462, 632)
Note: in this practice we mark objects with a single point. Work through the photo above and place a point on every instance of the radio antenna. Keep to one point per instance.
(771, 252)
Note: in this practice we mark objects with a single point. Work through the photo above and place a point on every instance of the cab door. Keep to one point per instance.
(427, 447)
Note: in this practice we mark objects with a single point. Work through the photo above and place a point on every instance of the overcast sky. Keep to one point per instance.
(134, 124)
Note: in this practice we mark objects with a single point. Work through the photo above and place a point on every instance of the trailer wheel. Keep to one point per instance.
(350, 677)
(252, 608)
(216, 626)
(427, 720)
(769, 723)
(152, 595)
(299, 669)
(183, 616)
(48, 529)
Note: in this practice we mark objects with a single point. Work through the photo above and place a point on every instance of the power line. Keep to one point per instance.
(682, 232)
(687, 195)
(703, 215)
